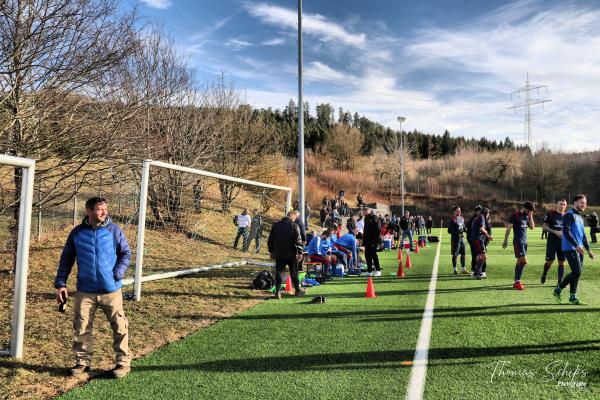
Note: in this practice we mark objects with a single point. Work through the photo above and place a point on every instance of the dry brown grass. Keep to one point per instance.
(170, 310)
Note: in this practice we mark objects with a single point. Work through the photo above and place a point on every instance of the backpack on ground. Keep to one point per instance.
(263, 281)
(433, 239)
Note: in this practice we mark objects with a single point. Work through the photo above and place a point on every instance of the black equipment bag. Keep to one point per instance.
(263, 281)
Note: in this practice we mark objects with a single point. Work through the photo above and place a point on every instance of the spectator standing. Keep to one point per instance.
(351, 224)
(593, 223)
(306, 214)
(103, 256)
(323, 215)
(429, 224)
(243, 222)
(285, 247)
(421, 225)
(371, 241)
(256, 228)
(406, 227)
(360, 226)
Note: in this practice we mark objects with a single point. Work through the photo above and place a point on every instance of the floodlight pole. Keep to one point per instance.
(301, 199)
(400, 121)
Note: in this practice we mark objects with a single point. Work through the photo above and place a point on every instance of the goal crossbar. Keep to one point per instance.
(22, 257)
(139, 263)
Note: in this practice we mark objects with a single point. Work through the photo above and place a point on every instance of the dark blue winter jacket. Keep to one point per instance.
(102, 255)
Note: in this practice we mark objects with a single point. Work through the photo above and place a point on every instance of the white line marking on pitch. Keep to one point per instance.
(418, 373)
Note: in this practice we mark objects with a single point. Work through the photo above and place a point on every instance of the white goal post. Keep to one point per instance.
(22, 257)
(143, 205)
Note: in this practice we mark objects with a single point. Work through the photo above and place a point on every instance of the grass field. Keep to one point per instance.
(488, 341)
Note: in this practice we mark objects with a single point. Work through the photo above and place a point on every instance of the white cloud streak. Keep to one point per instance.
(273, 42)
(238, 44)
(313, 24)
(158, 4)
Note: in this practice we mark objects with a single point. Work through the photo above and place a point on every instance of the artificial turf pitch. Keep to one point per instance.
(488, 340)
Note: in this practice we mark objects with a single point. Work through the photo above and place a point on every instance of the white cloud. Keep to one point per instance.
(273, 42)
(313, 24)
(237, 44)
(553, 44)
(457, 78)
(159, 4)
(317, 71)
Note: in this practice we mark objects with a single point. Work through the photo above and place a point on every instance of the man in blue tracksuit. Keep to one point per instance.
(347, 245)
(319, 251)
(103, 256)
(574, 242)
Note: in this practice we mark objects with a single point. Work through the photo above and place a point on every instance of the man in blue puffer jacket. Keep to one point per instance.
(103, 256)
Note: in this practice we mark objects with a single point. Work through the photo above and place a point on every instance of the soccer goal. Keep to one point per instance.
(192, 221)
(15, 223)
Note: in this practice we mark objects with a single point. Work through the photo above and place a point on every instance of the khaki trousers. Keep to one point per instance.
(85, 309)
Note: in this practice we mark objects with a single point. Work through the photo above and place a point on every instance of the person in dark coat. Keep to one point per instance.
(286, 247)
(371, 241)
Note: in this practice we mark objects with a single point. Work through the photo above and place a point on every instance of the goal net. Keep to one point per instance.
(192, 220)
(16, 195)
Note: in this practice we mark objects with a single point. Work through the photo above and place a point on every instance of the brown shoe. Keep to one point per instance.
(120, 371)
(300, 293)
(278, 295)
(79, 369)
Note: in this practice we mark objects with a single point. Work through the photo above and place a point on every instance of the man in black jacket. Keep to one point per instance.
(371, 241)
(468, 226)
(286, 247)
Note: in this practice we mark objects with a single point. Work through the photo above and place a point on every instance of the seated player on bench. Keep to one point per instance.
(318, 249)
(347, 245)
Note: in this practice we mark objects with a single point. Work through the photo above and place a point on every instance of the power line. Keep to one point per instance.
(527, 103)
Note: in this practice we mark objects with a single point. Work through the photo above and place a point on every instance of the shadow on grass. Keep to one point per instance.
(51, 370)
(388, 279)
(371, 359)
(411, 292)
(418, 312)
(564, 309)
(204, 295)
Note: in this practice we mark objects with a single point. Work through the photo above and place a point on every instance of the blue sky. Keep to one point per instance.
(442, 64)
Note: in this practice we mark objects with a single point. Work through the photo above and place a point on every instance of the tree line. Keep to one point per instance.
(320, 126)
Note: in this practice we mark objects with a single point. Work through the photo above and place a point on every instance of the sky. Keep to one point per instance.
(441, 64)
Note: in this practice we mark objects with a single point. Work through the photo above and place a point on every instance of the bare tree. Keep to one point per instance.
(61, 101)
(545, 172)
(246, 145)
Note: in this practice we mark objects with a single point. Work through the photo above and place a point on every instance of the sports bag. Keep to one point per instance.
(263, 281)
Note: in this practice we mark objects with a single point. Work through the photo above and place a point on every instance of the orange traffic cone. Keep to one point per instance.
(400, 253)
(370, 289)
(400, 273)
(408, 263)
(288, 284)
(417, 248)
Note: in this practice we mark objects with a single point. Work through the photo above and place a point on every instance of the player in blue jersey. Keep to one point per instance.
(574, 246)
(479, 236)
(456, 229)
(518, 222)
(552, 224)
